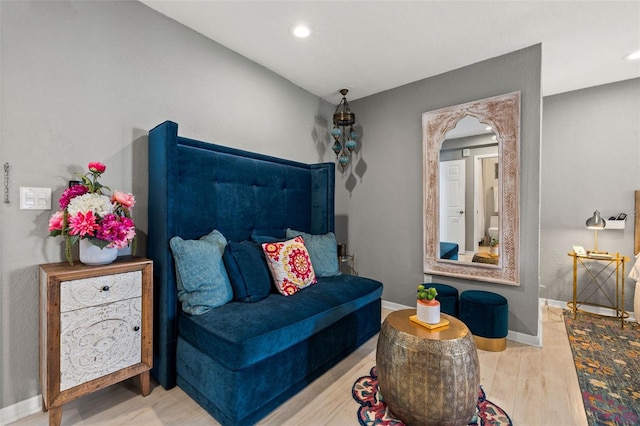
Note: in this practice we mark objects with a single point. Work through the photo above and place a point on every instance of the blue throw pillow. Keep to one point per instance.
(248, 271)
(261, 239)
(323, 251)
(202, 280)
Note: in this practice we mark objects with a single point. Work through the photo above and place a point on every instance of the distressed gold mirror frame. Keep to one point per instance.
(502, 113)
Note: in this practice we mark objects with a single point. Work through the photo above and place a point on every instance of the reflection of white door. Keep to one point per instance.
(452, 205)
(479, 197)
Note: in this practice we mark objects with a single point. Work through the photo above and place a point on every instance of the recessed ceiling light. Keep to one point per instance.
(301, 31)
(633, 56)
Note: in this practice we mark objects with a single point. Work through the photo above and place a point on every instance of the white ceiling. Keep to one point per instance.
(372, 46)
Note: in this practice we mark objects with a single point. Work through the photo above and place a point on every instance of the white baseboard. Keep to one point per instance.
(527, 339)
(593, 309)
(20, 409)
(392, 306)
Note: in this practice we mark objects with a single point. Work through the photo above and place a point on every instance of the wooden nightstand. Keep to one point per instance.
(95, 328)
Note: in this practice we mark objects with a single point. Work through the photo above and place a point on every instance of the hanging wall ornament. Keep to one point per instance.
(344, 141)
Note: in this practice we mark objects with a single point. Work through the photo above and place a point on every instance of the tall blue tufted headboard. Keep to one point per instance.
(195, 187)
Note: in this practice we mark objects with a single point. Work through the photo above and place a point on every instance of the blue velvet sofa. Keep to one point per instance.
(241, 360)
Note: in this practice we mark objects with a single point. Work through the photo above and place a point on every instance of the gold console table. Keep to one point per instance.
(601, 269)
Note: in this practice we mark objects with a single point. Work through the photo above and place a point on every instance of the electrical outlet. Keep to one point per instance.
(35, 198)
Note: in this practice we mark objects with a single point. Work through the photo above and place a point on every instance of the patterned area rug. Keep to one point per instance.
(607, 361)
(373, 410)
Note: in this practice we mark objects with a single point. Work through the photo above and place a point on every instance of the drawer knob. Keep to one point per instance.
(105, 288)
(136, 328)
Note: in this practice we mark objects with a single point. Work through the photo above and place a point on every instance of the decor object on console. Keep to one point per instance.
(344, 140)
(596, 222)
(243, 359)
(87, 213)
(95, 329)
(428, 308)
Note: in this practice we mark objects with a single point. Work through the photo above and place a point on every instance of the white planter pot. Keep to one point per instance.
(428, 312)
(93, 255)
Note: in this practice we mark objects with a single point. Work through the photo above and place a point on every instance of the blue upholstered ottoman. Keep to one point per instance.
(447, 296)
(487, 316)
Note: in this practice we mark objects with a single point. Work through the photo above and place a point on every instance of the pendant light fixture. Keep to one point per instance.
(344, 137)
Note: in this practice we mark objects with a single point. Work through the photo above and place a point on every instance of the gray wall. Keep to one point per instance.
(382, 193)
(590, 161)
(85, 81)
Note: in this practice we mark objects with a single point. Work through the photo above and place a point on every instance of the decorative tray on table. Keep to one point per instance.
(443, 322)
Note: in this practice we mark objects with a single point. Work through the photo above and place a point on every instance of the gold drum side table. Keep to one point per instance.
(428, 377)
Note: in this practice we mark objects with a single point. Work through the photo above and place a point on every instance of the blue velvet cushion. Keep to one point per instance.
(248, 271)
(238, 335)
(261, 239)
(202, 279)
(447, 296)
(323, 251)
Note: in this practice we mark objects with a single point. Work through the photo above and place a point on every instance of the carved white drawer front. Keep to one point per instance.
(98, 290)
(99, 340)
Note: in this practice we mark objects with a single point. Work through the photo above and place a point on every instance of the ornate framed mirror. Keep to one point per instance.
(502, 114)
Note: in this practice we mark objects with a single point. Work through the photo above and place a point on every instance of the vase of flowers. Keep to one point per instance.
(102, 223)
(428, 308)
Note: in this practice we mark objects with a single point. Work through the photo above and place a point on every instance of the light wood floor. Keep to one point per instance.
(535, 386)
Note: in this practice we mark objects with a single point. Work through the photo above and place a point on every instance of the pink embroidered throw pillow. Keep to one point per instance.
(290, 265)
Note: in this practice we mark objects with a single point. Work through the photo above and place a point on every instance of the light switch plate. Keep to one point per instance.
(35, 198)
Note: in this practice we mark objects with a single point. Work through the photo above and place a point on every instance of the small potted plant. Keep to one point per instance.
(428, 308)
(494, 247)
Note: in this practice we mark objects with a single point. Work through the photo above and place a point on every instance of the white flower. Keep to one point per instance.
(99, 204)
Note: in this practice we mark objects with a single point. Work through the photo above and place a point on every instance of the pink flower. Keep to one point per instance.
(70, 193)
(97, 167)
(55, 223)
(83, 224)
(126, 200)
(119, 231)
